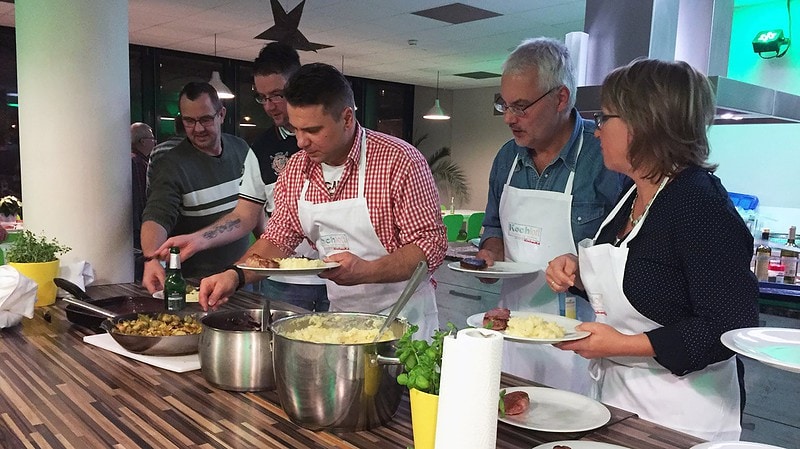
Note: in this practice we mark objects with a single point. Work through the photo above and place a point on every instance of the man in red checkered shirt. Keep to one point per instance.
(365, 200)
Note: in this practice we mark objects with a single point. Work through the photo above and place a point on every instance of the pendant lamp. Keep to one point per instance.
(436, 112)
(216, 82)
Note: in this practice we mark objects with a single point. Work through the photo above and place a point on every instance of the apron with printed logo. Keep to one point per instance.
(345, 225)
(537, 227)
(703, 403)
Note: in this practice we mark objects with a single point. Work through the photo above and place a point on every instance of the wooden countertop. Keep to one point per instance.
(58, 392)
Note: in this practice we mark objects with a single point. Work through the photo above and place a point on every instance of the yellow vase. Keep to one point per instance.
(423, 418)
(43, 274)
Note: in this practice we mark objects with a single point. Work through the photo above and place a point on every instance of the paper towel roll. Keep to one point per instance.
(469, 390)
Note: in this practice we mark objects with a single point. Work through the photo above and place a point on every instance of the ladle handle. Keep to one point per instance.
(408, 292)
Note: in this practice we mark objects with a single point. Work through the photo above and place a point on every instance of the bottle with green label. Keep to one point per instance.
(174, 284)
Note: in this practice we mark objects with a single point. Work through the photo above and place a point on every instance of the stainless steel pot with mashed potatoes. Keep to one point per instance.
(328, 374)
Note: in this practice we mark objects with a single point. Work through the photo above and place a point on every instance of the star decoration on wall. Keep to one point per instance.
(286, 29)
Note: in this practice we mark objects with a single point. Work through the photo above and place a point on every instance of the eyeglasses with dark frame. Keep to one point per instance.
(263, 99)
(600, 118)
(205, 121)
(517, 111)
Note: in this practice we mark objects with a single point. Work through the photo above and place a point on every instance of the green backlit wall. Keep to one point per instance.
(744, 65)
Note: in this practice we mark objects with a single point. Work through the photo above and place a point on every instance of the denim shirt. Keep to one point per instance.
(595, 188)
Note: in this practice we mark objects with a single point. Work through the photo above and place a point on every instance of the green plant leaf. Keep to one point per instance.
(30, 248)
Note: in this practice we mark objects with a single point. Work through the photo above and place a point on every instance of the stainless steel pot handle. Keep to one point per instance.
(383, 360)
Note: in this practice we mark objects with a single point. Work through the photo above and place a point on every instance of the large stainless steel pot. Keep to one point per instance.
(340, 387)
(235, 349)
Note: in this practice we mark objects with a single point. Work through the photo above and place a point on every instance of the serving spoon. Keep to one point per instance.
(411, 287)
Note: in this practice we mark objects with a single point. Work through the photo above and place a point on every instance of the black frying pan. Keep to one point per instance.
(141, 344)
(119, 305)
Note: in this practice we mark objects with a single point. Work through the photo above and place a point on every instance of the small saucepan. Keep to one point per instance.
(143, 344)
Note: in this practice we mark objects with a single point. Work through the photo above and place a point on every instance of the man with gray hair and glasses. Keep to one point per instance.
(193, 185)
(548, 190)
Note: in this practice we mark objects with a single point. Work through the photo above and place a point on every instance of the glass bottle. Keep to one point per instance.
(174, 284)
(789, 258)
(763, 252)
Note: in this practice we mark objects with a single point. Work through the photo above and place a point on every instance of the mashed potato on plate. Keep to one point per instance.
(533, 327)
(294, 263)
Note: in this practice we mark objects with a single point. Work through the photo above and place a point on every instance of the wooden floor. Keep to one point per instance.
(772, 413)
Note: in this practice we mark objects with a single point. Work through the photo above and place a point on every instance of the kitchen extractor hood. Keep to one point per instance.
(690, 30)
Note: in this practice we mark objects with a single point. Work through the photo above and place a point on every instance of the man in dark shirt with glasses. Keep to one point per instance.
(193, 185)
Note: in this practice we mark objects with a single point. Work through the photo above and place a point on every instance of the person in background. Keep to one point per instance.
(669, 270)
(276, 62)
(365, 200)
(162, 148)
(142, 143)
(548, 190)
(193, 185)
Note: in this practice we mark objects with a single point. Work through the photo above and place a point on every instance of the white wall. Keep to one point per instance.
(473, 133)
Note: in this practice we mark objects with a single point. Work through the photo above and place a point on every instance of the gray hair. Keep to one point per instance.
(549, 58)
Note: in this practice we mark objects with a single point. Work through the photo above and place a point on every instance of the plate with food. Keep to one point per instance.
(550, 410)
(287, 266)
(500, 270)
(529, 327)
(192, 294)
(733, 445)
(578, 444)
(773, 346)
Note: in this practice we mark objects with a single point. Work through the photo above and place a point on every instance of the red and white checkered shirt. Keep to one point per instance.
(401, 196)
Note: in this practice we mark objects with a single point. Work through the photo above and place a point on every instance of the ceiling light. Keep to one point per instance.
(216, 82)
(436, 112)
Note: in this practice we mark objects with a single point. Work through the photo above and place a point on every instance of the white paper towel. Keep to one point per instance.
(178, 363)
(469, 390)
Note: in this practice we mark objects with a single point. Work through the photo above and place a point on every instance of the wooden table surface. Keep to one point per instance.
(58, 392)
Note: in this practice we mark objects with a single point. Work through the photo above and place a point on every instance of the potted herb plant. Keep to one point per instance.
(36, 258)
(422, 369)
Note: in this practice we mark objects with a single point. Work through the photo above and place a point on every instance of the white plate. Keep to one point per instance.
(567, 323)
(291, 271)
(576, 444)
(500, 270)
(189, 298)
(554, 410)
(733, 445)
(773, 346)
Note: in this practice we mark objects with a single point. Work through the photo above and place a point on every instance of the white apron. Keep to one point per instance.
(345, 225)
(703, 403)
(537, 227)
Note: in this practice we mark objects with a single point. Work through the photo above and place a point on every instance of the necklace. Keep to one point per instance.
(635, 221)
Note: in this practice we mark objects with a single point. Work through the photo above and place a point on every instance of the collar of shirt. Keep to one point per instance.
(569, 153)
(311, 169)
(284, 133)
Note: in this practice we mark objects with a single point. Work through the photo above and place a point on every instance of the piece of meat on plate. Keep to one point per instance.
(516, 402)
(256, 261)
(498, 317)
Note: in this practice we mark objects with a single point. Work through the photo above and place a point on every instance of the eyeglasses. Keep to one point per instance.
(518, 111)
(600, 118)
(263, 99)
(205, 121)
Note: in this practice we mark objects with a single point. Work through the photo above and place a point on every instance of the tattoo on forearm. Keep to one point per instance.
(225, 227)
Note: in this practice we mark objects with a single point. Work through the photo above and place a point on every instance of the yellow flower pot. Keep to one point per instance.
(43, 274)
(423, 418)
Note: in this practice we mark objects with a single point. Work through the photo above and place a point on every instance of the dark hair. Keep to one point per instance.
(668, 106)
(276, 58)
(319, 84)
(193, 89)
